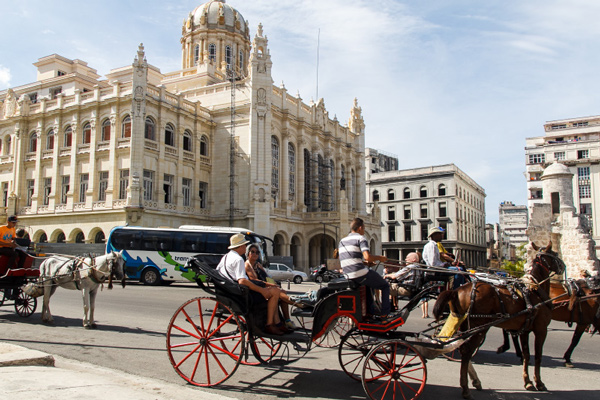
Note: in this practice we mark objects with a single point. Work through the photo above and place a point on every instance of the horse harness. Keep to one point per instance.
(522, 288)
(74, 268)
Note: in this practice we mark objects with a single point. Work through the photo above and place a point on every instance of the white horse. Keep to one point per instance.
(85, 274)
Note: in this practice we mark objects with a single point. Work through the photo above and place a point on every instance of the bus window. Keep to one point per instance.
(129, 239)
(192, 242)
(159, 241)
(218, 243)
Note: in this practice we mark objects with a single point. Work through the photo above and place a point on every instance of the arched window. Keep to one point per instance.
(442, 190)
(50, 140)
(105, 130)
(150, 130)
(187, 141)
(241, 61)
(274, 167)
(33, 142)
(61, 238)
(321, 183)
(375, 195)
(8, 143)
(169, 135)
(86, 133)
(406, 193)
(292, 171)
(196, 54)
(391, 194)
(423, 191)
(80, 237)
(204, 146)
(331, 186)
(343, 178)
(307, 179)
(68, 136)
(228, 57)
(212, 52)
(126, 127)
(99, 238)
(43, 238)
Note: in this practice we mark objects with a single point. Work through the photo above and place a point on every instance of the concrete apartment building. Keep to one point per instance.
(513, 221)
(412, 201)
(213, 143)
(575, 143)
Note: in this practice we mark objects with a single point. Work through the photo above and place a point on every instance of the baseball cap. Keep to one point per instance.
(12, 218)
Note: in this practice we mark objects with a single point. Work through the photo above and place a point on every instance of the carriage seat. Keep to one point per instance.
(27, 271)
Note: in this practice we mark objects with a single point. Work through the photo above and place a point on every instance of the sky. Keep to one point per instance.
(439, 81)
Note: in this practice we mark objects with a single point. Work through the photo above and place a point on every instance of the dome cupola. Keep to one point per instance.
(216, 33)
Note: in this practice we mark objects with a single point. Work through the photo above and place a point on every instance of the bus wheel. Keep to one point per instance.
(150, 277)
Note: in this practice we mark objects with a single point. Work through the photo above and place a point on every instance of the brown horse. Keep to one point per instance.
(578, 305)
(485, 305)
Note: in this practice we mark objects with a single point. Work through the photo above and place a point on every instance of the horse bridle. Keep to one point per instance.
(539, 260)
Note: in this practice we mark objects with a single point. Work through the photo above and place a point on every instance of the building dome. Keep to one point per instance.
(556, 169)
(217, 14)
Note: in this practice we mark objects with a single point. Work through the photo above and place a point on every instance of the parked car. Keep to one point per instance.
(322, 274)
(281, 272)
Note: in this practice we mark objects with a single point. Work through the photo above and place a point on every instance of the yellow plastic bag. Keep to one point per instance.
(450, 327)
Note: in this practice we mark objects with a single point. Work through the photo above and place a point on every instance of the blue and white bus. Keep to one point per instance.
(158, 255)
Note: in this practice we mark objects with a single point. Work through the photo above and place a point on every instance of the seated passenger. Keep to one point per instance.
(232, 267)
(257, 274)
(23, 242)
(406, 280)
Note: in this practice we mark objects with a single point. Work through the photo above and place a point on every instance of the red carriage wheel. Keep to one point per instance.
(205, 341)
(337, 328)
(394, 370)
(353, 349)
(25, 305)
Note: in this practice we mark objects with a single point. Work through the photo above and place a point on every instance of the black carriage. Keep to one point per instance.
(12, 284)
(209, 337)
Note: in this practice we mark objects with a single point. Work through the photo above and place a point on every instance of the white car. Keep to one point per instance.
(281, 272)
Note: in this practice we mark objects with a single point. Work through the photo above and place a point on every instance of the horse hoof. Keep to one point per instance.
(501, 349)
(541, 387)
(569, 364)
(467, 396)
(530, 387)
(87, 327)
(477, 385)
(93, 326)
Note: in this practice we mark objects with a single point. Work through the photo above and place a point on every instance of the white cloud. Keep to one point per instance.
(4, 77)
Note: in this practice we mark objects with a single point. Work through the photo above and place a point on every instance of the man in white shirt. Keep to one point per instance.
(232, 267)
(431, 256)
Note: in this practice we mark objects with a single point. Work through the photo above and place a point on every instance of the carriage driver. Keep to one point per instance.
(352, 249)
(232, 267)
(8, 244)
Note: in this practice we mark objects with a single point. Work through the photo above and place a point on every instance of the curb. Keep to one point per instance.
(13, 356)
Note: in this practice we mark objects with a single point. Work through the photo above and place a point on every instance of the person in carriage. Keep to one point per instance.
(433, 258)
(352, 250)
(232, 267)
(8, 245)
(405, 282)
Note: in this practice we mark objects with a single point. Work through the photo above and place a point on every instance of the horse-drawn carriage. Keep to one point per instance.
(209, 337)
(12, 282)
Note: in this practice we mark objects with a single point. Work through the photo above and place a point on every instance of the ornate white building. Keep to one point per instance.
(214, 143)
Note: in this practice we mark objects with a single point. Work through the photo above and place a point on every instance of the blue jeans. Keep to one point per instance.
(375, 281)
(459, 279)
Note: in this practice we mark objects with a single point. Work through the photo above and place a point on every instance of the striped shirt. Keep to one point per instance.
(351, 255)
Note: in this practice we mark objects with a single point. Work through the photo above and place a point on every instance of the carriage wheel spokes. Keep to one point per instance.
(353, 349)
(337, 329)
(205, 341)
(25, 305)
(394, 369)
(263, 349)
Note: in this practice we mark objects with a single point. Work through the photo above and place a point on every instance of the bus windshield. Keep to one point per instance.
(154, 255)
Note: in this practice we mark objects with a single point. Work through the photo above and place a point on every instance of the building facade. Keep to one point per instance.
(214, 143)
(412, 201)
(513, 220)
(574, 143)
(379, 161)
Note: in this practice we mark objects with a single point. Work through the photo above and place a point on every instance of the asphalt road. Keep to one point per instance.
(131, 338)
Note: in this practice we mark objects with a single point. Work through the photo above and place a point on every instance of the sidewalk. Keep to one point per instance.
(30, 374)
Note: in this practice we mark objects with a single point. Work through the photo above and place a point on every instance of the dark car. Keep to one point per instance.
(322, 274)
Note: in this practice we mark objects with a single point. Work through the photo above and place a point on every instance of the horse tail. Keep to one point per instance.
(446, 297)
